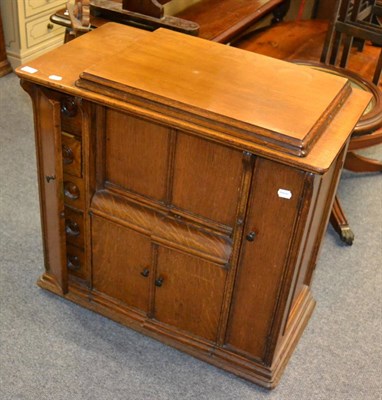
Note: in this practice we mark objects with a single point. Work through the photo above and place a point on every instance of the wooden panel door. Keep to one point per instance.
(49, 160)
(137, 153)
(121, 263)
(275, 202)
(189, 292)
(207, 179)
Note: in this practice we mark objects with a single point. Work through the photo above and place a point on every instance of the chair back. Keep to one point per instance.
(353, 20)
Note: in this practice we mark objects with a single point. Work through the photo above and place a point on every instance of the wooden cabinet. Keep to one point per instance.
(27, 29)
(175, 200)
(5, 67)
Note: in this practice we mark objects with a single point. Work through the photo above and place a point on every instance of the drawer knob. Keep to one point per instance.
(71, 190)
(251, 236)
(72, 228)
(67, 155)
(145, 273)
(50, 27)
(73, 262)
(159, 281)
(69, 107)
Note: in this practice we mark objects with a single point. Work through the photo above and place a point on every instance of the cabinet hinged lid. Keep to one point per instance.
(267, 101)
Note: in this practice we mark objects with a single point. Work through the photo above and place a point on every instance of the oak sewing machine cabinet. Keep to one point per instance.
(185, 188)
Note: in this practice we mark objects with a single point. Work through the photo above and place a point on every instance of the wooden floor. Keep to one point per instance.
(304, 40)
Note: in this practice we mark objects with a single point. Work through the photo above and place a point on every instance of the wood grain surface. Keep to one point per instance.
(177, 217)
(113, 38)
(277, 101)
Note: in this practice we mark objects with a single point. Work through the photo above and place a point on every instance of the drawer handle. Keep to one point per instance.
(72, 228)
(73, 262)
(67, 155)
(145, 273)
(71, 191)
(159, 281)
(50, 26)
(251, 236)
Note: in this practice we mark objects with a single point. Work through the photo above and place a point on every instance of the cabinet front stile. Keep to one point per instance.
(50, 176)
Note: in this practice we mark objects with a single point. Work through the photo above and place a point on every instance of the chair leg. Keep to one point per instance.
(340, 223)
(357, 163)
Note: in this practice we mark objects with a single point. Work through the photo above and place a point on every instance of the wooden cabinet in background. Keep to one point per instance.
(5, 67)
(27, 28)
(185, 196)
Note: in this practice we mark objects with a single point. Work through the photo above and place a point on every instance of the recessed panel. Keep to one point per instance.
(121, 263)
(207, 179)
(189, 293)
(137, 154)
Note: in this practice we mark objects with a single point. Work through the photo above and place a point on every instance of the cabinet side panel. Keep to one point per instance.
(313, 240)
(272, 218)
(48, 145)
(323, 210)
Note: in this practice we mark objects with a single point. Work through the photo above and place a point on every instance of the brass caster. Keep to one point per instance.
(347, 235)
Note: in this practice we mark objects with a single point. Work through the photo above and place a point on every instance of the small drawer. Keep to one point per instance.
(75, 261)
(74, 227)
(71, 154)
(33, 7)
(71, 117)
(74, 193)
(41, 30)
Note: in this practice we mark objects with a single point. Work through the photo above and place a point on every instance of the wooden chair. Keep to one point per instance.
(346, 45)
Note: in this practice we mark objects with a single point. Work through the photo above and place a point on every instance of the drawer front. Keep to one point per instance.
(34, 7)
(75, 261)
(41, 30)
(74, 192)
(74, 227)
(71, 155)
(71, 117)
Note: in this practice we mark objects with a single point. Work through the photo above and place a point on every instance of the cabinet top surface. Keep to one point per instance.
(272, 104)
(276, 101)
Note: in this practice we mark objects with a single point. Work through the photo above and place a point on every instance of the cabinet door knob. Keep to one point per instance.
(251, 236)
(145, 272)
(159, 281)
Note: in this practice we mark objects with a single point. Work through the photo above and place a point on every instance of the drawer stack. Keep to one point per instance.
(73, 185)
